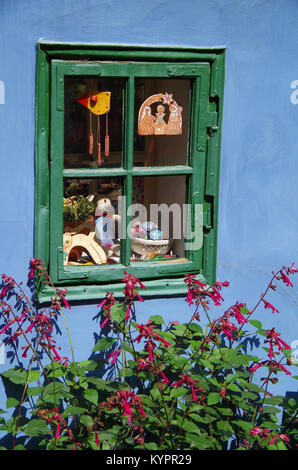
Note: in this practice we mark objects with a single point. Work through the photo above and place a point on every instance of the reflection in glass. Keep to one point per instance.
(157, 218)
(161, 121)
(91, 221)
(80, 124)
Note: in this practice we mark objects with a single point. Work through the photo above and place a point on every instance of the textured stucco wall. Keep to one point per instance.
(259, 165)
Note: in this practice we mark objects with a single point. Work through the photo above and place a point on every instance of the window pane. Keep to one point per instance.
(157, 218)
(91, 221)
(85, 129)
(161, 121)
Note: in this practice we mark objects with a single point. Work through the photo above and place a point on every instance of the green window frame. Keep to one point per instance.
(205, 68)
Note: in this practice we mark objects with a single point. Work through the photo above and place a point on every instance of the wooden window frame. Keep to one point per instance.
(206, 69)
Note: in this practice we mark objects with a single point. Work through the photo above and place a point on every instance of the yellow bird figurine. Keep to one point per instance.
(98, 103)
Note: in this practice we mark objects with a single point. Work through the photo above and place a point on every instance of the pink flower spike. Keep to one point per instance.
(104, 322)
(127, 316)
(268, 305)
(7, 326)
(255, 431)
(150, 349)
(102, 303)
(57, 357)
(21, 317)
(96, 437)
(142, 412)
(57, 431)
(284, 369)
(113, 356)
(165, 379)
(194, 397)
(285, 279)
(30, 327)
(4, 290)
(256, 367)
(66, 304)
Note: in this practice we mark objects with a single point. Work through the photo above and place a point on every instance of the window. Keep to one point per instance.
(127, 150)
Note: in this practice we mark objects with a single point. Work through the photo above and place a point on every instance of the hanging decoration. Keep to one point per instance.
(149, 124)
(98, 104)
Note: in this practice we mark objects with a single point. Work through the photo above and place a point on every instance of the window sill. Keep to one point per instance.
(154, 288)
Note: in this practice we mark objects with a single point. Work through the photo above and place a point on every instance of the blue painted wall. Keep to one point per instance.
(259, 165)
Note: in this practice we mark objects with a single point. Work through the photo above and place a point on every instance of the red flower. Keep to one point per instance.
(268, 305)
(114, 356)
(34, 264)
(127, 316)
(61, 294)
(131, 284)
(106, 305)
(273, 338)
(285, 279)
(255, 431)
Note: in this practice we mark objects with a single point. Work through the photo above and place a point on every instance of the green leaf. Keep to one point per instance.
(281, 445)
(91, 365)
(57, 387)
(196, 328)
(224, 411)
(34, 375)
(157, 319)
(244, 310)
(54, 369)
(256, 324)
(17, 376)
(243, 425)
(178, 392)
(225, 428)
(151, 446)
(36, 427)
(213, 398)
(127, 347)
(86, 420)
(234, 388)
(118, 313)
(198, 441)
(20, 447)
(103, 344)
(73, 410)
(249, 395)
(12, 402)
(91, 395)
(34, 391)
(270, 410)
(191, 427)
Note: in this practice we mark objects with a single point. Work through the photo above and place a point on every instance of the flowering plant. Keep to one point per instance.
(171, 386)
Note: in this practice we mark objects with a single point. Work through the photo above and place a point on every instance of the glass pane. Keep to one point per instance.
(161, 121)
(157, 218)
(93, 122)
(91, 221)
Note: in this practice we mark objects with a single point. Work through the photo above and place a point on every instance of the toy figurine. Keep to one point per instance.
(105, 226)
(97, 103)
(156, 125)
